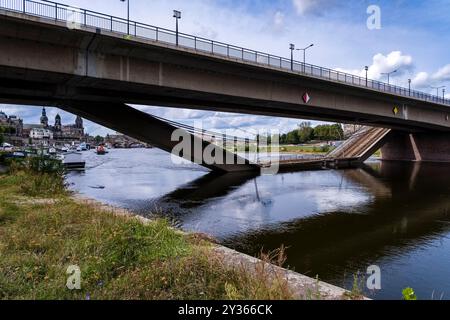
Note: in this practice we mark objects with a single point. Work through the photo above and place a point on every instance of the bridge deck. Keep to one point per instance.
(77, 18)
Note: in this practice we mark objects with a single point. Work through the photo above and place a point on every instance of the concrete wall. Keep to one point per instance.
(429, 147)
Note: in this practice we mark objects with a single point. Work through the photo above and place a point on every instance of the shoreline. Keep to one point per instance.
(301, 285)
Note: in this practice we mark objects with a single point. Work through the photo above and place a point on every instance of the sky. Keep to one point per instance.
(414, 37)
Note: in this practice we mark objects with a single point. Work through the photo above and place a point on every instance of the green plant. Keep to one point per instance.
(357, 288)
(409, 294)
(39, 176)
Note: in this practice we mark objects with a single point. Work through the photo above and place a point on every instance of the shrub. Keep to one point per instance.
(39, 176)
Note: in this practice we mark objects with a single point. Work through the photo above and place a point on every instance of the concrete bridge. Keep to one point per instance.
(86, 63)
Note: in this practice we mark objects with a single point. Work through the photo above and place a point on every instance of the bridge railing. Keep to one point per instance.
(76, 16)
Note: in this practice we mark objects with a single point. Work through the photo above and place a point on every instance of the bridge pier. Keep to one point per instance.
(426, 147)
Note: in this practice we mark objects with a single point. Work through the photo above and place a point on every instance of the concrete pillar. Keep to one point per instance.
(427, 147)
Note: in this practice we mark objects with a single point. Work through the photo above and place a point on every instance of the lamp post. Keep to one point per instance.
(304, 55)
(292, 48)
(128, 15)
(388, 74)
(177, 16)
(409, 86)
(367, 79)
(437, 89)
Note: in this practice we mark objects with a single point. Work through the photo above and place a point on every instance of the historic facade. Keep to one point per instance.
(11, 125)
(63, 132)
(14, 127)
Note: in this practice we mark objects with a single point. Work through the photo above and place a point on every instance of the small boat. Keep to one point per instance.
(84, 146)
(19, 155)
(73, 160)
(16, 155)
(52, 151)
(101, 150)
(6, 147)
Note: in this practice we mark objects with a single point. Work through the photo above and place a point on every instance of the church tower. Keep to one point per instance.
(79, 122)
(44, 119)
(58, 125)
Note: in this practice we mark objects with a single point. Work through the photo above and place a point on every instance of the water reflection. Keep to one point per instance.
(406, 219)
(334, 223)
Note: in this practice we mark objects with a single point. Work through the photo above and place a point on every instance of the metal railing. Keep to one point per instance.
(85, 18)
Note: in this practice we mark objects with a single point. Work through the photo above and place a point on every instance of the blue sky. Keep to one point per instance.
(414, 37)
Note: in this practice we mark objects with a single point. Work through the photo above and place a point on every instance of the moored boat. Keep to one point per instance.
(73, 160)
(100, 150)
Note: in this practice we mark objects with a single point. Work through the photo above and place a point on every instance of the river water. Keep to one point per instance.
(335, 224)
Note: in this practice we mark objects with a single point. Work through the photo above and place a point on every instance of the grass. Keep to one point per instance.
(119, 256)
(306, 149)
(302, 149)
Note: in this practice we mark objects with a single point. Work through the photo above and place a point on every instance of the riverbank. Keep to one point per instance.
(121, 257)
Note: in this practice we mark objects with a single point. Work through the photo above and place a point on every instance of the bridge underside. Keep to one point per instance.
(427, 147)
(42, 62)
(158, 133)
(94, 74)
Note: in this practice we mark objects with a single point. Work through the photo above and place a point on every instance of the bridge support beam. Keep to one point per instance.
(145, 128)
(426, 147)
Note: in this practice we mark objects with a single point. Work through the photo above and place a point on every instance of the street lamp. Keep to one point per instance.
(128, 15)
(177, 16)
(437, 89)
(304, 55)
(367, 79)
(388, 74)
(292, 48)
(409, 86)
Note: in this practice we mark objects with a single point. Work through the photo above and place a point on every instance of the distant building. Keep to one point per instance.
(75, 131)
(41, 134)
(60, 131)
(44, 119)
(19, 133)
(122, 141)
(11, 125)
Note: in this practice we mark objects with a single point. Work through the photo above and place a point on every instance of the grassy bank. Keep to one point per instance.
(314, 149)
(43, 231)
(301, 149)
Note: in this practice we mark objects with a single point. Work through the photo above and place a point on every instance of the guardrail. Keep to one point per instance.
(72, 15)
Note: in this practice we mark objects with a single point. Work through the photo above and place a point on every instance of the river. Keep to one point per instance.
(334, 223)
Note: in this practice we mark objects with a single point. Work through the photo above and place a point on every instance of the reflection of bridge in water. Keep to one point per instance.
(402, 208)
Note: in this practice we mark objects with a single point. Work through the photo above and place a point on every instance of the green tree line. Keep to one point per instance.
(306, 133)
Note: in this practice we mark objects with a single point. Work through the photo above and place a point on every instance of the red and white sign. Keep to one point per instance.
(306, 97)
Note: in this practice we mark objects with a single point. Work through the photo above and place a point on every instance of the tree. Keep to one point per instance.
(329, 132)
(292, 137)
(305, 132)
(98, 139)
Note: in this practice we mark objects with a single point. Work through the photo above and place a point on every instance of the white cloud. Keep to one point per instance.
(421, 80)
(278, 21)
(395, 60)
(305, 6)
(443, 74)
(425, 80)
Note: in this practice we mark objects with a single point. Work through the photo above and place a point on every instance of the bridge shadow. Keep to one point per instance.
(410, 207)
(199, 192)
